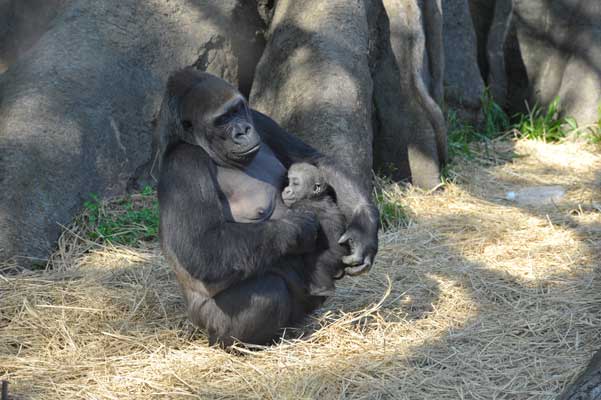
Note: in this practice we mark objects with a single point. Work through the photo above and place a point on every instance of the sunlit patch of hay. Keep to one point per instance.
(476, 297)
(568, 156)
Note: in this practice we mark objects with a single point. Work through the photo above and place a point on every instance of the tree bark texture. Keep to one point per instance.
(361, 80)
(464, 86)
(411, 136)
(314, 78)
(21, 25)
(537, 50)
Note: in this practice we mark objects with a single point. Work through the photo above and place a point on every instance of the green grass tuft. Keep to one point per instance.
(539, 123)
(387, 197)
(496, 120)
(593, 132)
(127, 220)
(461, 134)
(545, 124)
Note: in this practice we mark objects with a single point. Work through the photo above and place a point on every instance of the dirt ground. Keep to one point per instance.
(476, 297)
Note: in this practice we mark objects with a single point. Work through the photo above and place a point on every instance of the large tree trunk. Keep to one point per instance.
(560, 43)
(492, 23)
(408, 102)
(495, 50)
(549, 49)
(314, 78)
(391, 127)
(587, 385)
(463, 83)
(482, 13)
(76, 109)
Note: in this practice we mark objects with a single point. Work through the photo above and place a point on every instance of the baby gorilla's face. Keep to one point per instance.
(304, 182)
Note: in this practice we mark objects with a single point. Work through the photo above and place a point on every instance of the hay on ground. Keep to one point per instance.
(476, 298)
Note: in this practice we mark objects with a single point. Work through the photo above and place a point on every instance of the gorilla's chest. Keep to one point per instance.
(253, 194)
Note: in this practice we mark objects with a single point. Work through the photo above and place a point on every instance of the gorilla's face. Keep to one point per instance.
(216, 117)
(304, 182)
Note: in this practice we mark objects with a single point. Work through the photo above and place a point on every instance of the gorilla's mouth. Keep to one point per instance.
(249, 152)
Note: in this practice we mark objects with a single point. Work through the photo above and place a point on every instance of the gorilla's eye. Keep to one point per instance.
(230, 113)
(221, 120)
(187, 125)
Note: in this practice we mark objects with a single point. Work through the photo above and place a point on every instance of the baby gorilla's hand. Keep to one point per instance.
(303, 226)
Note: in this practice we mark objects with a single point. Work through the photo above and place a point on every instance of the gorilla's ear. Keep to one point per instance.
(317, 188)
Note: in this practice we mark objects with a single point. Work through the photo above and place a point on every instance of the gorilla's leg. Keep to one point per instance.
(253, 311)
(322, 281)
(322, 269)
(299, 283)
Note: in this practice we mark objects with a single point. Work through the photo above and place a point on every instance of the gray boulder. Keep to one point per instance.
(76, 108)
(22, 23)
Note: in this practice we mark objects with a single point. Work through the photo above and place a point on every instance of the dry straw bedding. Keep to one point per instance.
(475, 298)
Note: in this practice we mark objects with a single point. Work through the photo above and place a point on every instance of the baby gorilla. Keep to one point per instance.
(307, 190)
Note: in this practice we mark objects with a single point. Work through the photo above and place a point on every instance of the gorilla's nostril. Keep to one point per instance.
(247, 129)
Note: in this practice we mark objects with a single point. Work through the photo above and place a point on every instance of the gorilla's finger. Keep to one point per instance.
(353, 259)
(361, 269)
(344, 238)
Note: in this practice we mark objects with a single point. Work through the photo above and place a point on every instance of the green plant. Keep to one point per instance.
(447, 174)
(594, 131)
(594, 136)
(496, 121)
(461, 134)
(539, 123)
(125, 220)
(392, 213)
(544, 124)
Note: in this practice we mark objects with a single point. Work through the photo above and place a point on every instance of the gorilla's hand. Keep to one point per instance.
(362, 238)
(303, 226)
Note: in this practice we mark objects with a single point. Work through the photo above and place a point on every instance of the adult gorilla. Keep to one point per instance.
(234, 246)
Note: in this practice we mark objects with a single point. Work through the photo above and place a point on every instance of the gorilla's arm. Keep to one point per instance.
(352, 192)
(196, 234)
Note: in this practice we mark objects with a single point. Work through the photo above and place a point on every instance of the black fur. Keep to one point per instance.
(308, 190)
(226, 269)
(324, 265)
